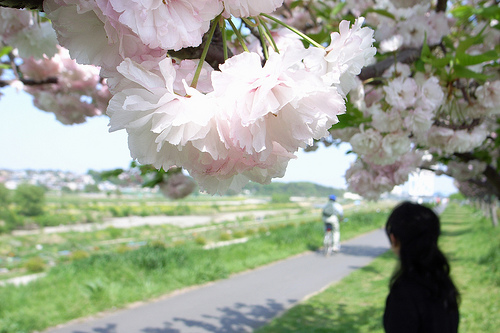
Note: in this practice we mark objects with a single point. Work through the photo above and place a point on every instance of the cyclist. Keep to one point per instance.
(333, 213)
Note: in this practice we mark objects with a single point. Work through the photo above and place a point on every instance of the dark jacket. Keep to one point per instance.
(411, 308)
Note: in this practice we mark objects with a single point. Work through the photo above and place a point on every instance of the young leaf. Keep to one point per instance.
(470, 60)
(460, 71)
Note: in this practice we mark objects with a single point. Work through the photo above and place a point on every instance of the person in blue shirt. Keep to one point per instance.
(333, 214)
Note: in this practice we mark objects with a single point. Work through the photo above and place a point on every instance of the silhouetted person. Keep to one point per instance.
(422, 296)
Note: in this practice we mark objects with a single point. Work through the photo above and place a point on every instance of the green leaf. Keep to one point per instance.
(448, 43)
(426, 51)
(5, 50)
(470, 60)
(492, 12)
(460, 71)
(111, 173)
(157, 178)
(462, 12)
(338, 7)
(321, 37)
(439, 62)
(468, 42)
(352, 118)
(296, 4)
(420, 65)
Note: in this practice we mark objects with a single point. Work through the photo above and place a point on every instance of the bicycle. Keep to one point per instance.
(328, 239)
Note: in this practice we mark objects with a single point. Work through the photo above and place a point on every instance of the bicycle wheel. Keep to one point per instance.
(328, 243)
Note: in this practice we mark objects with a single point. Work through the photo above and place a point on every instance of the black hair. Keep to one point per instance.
(417, 229)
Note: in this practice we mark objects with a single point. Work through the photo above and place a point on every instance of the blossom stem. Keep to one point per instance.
(238, 35)
(204, 53)
(268, 34)
(222, 25)
(301, 34)
(263, 38)
(250, 23)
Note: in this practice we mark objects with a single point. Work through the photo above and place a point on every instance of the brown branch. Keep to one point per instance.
(406, 56)
(215, 55)
(29, 82)
(493, 177)
(441, 6)
(28, 4)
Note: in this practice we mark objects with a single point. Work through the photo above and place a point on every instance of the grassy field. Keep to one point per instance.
(113, 279)
(356, 304)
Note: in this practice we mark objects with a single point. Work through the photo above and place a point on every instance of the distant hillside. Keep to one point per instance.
(305, 189)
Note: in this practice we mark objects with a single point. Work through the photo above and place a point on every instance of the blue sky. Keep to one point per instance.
(33, 139)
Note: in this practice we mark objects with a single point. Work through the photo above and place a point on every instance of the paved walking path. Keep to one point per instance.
(243, 302)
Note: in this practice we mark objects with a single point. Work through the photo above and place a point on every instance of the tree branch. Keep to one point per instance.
(406, 56)
(491, 174)
(29, 82)
(215, 55)
(28, 4)
(441, 6)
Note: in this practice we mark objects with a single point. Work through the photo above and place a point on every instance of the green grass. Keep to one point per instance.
(106, 280)
(356, 304)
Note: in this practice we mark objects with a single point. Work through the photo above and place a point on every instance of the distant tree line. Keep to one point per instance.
(293, 189)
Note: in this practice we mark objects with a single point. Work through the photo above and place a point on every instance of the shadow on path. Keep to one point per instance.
(364, 251)
(240, 317)
(110, 328)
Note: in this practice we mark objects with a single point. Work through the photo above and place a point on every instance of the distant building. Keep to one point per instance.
(352, 196)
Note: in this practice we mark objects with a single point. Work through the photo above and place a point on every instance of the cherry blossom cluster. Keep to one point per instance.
(371, 180)
(241, 121)
(413, 113)
(404, 121)
(24, 31)
(77, 92)
(410, 112)
(409, 27)
(230, 89)
(45, 70)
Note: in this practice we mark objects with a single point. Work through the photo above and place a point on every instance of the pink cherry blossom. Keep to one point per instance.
(177, 186)
(350, 50)
(168, 129)
(172, 24)
(151, 101)
(37, 40)
(366, 181)
(395, 145)
(13, 21)
(430, 95)
(385, 121)
(401, 92)
(68, 108)
(391, 44)
(418, 121)
(94, 37)
(466, 140)
(76, 92)
(367, 142)
(488, 94)
(372, 180)
(397, 70)
(439, 136)
(279, 102)
(246, 8)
